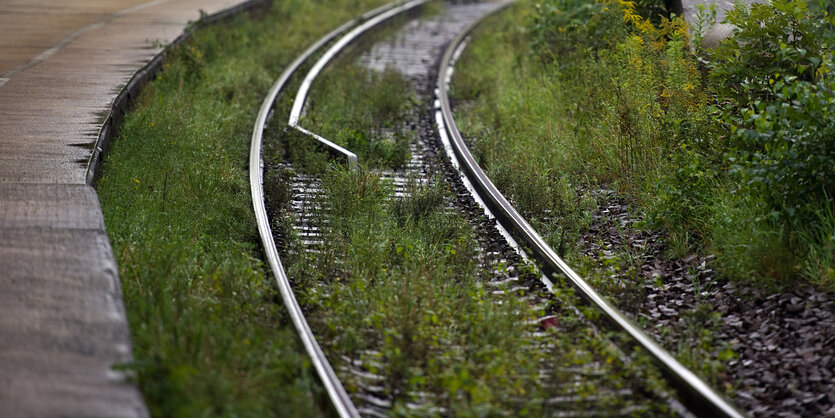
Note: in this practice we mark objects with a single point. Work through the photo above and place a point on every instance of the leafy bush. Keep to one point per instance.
(563, 26)
(627, 105)
(826, 9)
(788, 152)
(632, 89)
(769, 40)
(775, 78)
(654, 10)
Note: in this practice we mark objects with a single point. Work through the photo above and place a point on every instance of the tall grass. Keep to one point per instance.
(565, 96)
(397, 288)
(600, 113)
(209, 338)
(365, 112)
(818, 262)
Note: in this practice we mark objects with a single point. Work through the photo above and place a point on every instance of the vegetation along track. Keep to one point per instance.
(556, 362)
(552, 112)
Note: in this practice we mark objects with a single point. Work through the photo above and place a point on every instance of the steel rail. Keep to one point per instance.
(697, 395)
(339, 397)
(327, 57)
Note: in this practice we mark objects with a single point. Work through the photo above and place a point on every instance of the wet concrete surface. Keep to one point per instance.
(62, 319)
(62, 323)
(27, 31)
(54, 97)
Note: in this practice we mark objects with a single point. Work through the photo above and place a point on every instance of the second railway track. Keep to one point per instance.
(422, 50)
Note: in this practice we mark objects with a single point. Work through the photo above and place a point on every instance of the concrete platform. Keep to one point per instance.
(62, 318)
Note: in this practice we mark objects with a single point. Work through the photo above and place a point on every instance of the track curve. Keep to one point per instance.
(339, 397)
(698, 395)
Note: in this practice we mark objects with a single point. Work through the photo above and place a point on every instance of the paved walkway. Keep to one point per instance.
(62, 319)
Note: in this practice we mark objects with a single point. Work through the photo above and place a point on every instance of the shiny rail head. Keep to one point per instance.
(340, 399)
(698, 396)
(366, 23)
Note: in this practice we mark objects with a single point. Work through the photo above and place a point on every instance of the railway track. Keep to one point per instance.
(501, 230)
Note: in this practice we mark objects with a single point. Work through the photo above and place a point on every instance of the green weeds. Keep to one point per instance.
(779, 106)
(401, 289)
(731, 159)
(208, 337)
(364, 111)
(562, 96)
(396, 287)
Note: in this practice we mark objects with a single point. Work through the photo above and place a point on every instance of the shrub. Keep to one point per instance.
(654, 10)
(769, 40)
(734, 156)
(788, 153)
(775, 76)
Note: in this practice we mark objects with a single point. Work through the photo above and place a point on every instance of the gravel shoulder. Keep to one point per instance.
(772, 351)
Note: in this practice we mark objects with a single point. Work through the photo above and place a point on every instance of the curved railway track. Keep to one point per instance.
(697, 396)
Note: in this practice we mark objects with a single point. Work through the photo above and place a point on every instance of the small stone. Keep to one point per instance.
(794, 307)
(811, 398)
(789, 402)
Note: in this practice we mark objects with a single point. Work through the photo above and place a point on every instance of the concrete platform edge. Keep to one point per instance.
(126, 97)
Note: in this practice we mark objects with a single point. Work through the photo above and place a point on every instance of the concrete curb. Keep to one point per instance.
(130, 92)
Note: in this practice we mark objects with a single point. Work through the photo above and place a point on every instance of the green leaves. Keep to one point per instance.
(787, 152)
(776, 76)
(562, 26)
(770, 40)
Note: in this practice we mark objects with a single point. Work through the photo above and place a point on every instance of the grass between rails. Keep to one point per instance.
(364, 112)
(208, 336)
(360, 110)
(397, 289)
(396, 286)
